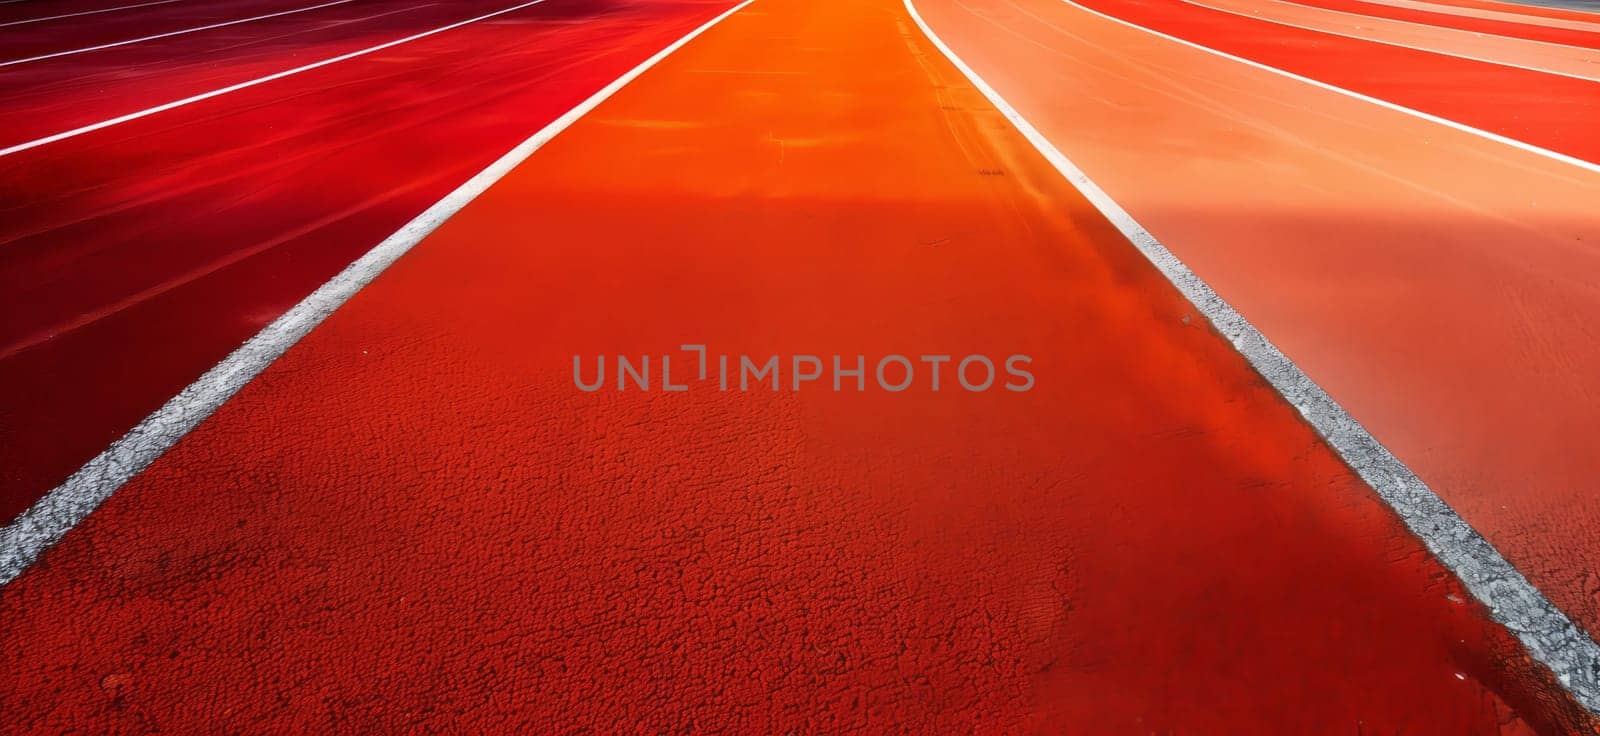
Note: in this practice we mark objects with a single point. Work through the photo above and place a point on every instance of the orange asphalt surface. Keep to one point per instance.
(415, 521)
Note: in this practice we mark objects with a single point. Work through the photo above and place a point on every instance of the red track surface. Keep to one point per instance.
(134, 258)
(413, 520)
(1516, 8)
(1567, 61)
(1479, 25)
(46, 37)
(1556, 113)
(1438, 284)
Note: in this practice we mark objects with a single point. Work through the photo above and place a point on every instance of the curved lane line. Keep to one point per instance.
(1587, 77)
(1497, 15)
(170, 34)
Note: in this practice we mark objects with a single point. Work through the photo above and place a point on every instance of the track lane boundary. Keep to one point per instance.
(1548, 635)
(86, 12)
(1430, 117)
(63, 507)
(1496, 34)
(1397, 44)
(170, 34)
(1513, 13)
(203, 96)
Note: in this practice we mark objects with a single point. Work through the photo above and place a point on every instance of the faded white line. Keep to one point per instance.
(51, 517)
(170, 34)
(254, 82)
(1496, 137)
(86, 12)
(1544, 630)
(1372, 39)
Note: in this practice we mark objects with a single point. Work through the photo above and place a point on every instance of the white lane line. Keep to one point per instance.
(1494, 15)
(1424, 24)
(1496, 137)
(51, 517)
(1512, 601)
(253, 82)
(86, 12)
(1371, 39)
(1548, 634)
(170, 34)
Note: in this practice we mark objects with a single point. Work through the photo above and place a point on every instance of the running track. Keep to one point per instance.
(135, 257)
(1437, 283)
(413, 520)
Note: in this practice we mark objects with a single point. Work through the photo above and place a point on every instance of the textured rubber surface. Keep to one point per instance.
(1440, 291)
(1551, 112)
(1493, 26)
(134, 258)
(415, 520)
(1568, 61)
(1518, 11)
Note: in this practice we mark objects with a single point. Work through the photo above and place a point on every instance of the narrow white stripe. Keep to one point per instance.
(170, 34)
(1545, 631)
(51, 517)
(1523, 18)
(86, 12)
(254, 82)
(1551, 44)
(1397, 44)
(1496, 137)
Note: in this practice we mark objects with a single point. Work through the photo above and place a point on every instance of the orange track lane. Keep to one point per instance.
(414, 519)
(1440, 285)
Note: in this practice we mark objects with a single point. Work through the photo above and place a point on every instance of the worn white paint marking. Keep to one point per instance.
(1545, 631)
(255, 82)
(86, 12)
(42, 525)
(170, 34)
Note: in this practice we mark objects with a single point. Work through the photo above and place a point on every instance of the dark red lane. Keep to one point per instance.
(1552, 112)
(65, 34)
(34, 9)
(48, 97)
(140, 255)
(1531, 32)
(1522, 7)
